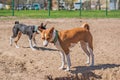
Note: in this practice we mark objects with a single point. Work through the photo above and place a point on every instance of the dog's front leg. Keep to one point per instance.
(11, 41)
(62, 59)
(31, 46)
(34, 40)
(68, 62)
(35, 44)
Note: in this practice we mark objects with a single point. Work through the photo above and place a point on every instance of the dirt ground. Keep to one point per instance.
(43, 64)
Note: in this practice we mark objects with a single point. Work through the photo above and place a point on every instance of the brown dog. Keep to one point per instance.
(63, 40)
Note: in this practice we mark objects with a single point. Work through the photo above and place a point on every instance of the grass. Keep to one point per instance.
(61, 14)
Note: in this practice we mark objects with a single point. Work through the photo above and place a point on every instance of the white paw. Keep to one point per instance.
(61, 68)
(33, 49)
(67, 70)
(34, 45)
(17, 47)
(88, 62)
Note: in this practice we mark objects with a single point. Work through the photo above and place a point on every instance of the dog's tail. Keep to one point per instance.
(16, 22)
(86, 26)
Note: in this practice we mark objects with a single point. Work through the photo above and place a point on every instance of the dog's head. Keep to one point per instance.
(47, 35)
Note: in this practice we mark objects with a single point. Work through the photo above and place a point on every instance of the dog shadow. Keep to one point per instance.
(86, 71)
(43, 48)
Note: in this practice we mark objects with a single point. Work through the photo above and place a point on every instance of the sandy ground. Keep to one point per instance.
(25, 64)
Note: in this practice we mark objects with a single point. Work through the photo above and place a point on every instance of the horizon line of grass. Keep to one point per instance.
(61, 14)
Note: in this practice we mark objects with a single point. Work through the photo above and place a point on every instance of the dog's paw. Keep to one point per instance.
(88, 62)
(17, 47)
(61, 68)
(34, 45)
(91, 64)
(67, 70)
(33, 49)
(10, 44)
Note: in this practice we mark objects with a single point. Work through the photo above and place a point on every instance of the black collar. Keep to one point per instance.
(56, 37)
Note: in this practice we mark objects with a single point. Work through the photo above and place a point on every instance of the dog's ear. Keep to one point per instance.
(45, 24)
(41, 24)
(51, 30)
(41, 28)
(16, 22)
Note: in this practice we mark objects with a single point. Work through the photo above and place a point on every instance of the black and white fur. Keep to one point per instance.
(30, 31)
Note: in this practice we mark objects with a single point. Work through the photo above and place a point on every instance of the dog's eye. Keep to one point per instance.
(48, 38)
(43, 38)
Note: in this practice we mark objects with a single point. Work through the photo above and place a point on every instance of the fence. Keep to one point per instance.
(51, 8)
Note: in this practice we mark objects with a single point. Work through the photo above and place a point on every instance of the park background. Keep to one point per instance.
(103, 16)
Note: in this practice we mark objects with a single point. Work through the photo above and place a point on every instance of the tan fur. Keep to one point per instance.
(75, 35)
(66, 38)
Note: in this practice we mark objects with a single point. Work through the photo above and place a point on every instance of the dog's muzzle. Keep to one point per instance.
(45, 43)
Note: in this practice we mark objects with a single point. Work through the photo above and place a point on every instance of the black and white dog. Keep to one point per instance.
(30, 31)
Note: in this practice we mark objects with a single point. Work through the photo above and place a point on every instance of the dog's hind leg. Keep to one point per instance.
(90, 46)
(84, 47)
(68, 62)
(17, 39)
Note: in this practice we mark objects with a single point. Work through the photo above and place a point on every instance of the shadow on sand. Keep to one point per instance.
(84, 72)
(81, 69)
(43, 48)
(80, 72)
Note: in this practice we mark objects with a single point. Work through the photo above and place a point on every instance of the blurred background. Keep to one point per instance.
(60, 4)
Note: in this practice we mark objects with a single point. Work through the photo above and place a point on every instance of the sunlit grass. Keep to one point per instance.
(61, 14)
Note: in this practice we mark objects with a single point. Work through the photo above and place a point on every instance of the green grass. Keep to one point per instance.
(61, 14)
